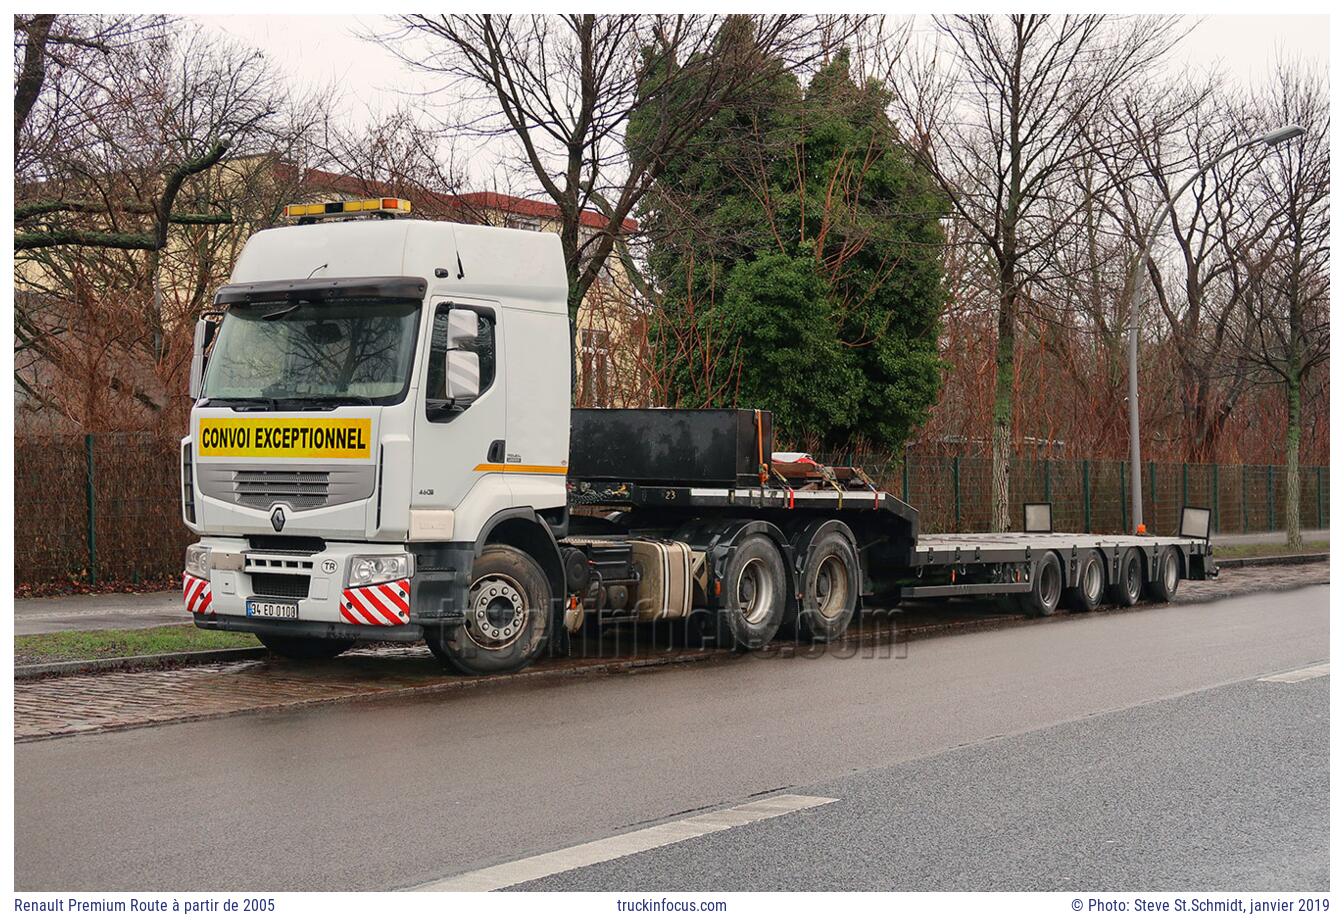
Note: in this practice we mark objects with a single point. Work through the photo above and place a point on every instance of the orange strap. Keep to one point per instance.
(760, 449)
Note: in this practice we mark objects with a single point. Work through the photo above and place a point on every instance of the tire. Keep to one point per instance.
(751, 604)
(303, 648)
(1091, 588)
(1168, 577)
(830, 589)
(1047, 585)
(507, 616)
(1125, 589)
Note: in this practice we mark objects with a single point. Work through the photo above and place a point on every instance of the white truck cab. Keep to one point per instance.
(381, 396)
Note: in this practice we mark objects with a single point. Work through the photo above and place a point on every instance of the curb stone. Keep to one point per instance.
(134, 663)
(1291, 559)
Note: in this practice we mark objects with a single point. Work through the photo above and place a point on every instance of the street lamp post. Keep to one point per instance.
(1277, 136)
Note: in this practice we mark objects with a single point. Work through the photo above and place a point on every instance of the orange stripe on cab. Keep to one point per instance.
(521, 468)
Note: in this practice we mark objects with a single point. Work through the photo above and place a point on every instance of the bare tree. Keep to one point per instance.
(1170, 134)
(999, 123)
(396, 154)
(1284, 326)
(148, 160)
(122, 122)
(564, 90)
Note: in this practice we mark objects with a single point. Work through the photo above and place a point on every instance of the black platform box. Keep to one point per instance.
(704, 447)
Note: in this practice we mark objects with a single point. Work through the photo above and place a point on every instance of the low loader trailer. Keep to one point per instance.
(382, 448)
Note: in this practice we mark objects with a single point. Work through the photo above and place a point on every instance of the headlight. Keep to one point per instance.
(372, 570)
(198, 561)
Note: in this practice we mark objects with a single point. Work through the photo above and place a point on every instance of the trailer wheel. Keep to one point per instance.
(1124, 591)
(1168, 577)
(1091, 586)
(506, 616)
(303, 648)
(751, 603)
(1047, 584)
(830, 588)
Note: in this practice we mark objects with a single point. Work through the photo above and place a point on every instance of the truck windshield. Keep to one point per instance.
(345, 351)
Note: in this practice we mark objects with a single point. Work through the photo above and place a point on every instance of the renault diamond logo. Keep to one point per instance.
(278, 518)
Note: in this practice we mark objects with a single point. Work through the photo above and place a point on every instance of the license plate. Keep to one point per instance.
(270, 609)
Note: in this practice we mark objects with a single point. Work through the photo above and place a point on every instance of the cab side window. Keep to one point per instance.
(483, 345)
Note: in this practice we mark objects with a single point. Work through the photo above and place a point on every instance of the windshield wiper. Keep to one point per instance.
(243, 402)
(283, 311)
(348, 399)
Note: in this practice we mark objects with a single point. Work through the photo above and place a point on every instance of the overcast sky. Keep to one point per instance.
(327, 51)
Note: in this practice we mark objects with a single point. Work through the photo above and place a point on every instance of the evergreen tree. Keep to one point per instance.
(801, 243)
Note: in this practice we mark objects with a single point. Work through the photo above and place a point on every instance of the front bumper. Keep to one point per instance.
(313, 582)
(310, 629)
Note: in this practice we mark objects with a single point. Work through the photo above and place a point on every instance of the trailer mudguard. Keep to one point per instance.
(813, 530)
(717, 538)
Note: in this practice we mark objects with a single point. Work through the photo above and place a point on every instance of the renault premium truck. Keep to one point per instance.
(382, 448)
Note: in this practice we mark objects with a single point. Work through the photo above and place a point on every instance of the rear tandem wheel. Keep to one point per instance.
(1047, 584)
(754, 593)
(1091, 587)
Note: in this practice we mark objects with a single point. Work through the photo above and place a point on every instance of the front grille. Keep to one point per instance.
(272, 585)
(277, 562)
(297, 488)
(287, 544)
(301, 488)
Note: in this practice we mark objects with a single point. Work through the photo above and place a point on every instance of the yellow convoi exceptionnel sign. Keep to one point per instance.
(329, 438)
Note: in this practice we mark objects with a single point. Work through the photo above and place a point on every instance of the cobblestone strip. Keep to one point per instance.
(76, 704)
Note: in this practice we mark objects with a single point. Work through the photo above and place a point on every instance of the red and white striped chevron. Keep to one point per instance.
(196, 594)
(387, 604)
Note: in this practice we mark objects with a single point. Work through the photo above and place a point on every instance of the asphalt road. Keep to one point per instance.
(1221, 789)
(1129, 750)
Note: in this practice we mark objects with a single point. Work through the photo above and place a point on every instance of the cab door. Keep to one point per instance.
(459, 449)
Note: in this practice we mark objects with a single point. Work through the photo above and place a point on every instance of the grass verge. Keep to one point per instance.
(1246, 550)
(47, 648)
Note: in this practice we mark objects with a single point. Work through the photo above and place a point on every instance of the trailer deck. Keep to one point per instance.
(950, 548)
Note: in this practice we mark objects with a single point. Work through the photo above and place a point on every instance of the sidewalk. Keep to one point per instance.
(1280, 536)
(98, 611)
(164, 608)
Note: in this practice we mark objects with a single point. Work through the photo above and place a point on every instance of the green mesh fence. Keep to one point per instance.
(106, 508)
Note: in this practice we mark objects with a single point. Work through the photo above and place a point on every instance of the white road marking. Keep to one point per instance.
(598, 851)
(1300, 674)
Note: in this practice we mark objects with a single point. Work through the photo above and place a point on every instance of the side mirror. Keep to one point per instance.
(198, 358)
(463, 328)
(462, 375)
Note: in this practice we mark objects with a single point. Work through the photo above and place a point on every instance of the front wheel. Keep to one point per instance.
(506, 618)
(303, 648)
